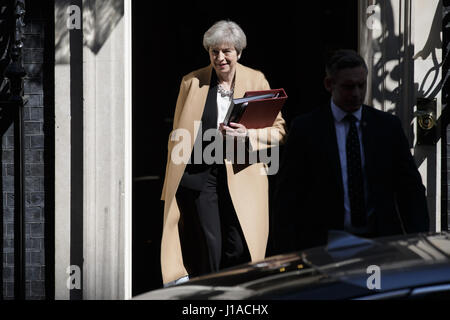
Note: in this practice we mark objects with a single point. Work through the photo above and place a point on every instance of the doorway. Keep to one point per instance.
(287, 41)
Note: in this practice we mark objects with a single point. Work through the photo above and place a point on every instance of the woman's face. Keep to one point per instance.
(224, 59)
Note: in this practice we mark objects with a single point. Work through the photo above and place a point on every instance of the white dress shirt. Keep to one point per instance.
(223, 104)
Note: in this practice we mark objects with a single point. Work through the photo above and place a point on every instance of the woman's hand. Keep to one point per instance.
(234, 130)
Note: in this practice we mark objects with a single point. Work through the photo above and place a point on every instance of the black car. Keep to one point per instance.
(401, 267)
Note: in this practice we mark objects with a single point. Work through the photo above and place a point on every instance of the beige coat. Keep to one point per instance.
(248, 187)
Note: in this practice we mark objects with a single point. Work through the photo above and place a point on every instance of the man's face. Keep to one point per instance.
(348, 88)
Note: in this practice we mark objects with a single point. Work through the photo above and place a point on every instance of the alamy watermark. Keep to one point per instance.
(73, 17)
(74, 279)
(374, 281)
(220, 147)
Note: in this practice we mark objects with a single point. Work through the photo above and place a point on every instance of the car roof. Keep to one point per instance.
(339, 270)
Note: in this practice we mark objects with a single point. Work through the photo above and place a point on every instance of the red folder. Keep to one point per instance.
(263, 112)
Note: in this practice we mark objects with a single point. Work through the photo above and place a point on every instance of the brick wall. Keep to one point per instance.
(33, 60)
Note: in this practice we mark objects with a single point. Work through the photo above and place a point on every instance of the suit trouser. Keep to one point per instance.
(210, 234)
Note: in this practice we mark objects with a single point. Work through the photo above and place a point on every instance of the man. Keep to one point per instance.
(347, 166)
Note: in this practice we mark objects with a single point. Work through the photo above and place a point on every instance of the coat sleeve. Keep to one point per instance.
(410, 191)
(267, 137)
(179, 106)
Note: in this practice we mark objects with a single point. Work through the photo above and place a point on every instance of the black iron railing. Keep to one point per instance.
(11, 112)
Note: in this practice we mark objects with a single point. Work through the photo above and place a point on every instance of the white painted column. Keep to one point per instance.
(126, 240)
(427, 31)
(107, 153)
(62, 152)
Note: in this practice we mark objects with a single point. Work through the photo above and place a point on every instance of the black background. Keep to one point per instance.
(288, 41)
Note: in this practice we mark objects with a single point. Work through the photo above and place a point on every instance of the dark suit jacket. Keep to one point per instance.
(309, 199)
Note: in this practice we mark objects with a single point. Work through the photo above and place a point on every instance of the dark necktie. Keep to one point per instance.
(354, 175)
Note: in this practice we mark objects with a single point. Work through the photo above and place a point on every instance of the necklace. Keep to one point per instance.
(225, 93)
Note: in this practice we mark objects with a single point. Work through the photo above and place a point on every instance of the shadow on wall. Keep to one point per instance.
(394, 62)
(381, 74)
(99, 20)
(401, 97)
(432, 44)
(405, 59)
(443, 121)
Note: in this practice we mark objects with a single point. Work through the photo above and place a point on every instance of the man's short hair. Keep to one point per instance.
(344, 59)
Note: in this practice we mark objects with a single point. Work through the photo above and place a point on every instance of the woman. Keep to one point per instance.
(219, 211)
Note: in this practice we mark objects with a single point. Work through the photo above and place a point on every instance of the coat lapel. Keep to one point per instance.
(240, 86)
(195, 102)
(191, 114)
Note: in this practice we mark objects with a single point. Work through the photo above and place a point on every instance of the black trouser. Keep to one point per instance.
(210, 233)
